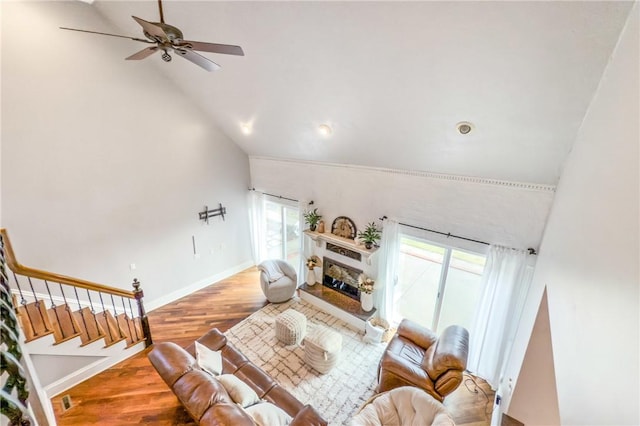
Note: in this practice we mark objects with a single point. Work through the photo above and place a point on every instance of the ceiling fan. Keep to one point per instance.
(167, 38)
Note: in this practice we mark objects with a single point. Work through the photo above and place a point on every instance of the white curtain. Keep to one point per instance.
(302, 265)
(387, 269)
(257, 224)
(505, 282)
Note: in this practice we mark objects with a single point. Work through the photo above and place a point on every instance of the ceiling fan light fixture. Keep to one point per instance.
(464, 127)
(325, 130)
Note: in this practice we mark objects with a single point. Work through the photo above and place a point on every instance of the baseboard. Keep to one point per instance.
(154, 304)
(185, 291)
(90, 370)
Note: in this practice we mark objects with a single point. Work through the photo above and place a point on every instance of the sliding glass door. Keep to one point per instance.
(282, 232)
(437, 286)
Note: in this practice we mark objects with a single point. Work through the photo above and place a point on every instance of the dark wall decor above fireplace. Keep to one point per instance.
(344, 251)
(341, 277)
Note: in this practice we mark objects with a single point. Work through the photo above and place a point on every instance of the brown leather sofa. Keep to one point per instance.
(204, 398)
(415, 356)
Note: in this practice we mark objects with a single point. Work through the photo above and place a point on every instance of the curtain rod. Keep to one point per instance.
(276, 196)
(450, 235)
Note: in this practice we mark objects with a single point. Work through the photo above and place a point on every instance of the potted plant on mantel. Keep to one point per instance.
(312, 217)
(370, 235)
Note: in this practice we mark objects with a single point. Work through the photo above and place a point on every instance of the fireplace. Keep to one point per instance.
(341, 277)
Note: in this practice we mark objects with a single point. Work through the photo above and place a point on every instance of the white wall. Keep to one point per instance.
(589, 257)
(494, 211)
(65, 365)
(540, 404)
(105, 163)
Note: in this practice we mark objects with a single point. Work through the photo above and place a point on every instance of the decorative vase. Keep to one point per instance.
(318, 273)
(321, 227)
(366, 300)
(311, 277)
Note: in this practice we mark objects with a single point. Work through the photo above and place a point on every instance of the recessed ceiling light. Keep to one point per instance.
(324, 129)
(246, 128)
(464, 127)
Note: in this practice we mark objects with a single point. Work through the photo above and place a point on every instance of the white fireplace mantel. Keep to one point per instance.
(342, 242)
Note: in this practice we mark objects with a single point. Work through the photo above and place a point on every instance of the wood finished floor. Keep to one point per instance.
(132, 393)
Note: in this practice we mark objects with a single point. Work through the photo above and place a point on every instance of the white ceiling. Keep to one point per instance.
(393, 78)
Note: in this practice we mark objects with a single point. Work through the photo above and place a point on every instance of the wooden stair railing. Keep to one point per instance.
(101, 311)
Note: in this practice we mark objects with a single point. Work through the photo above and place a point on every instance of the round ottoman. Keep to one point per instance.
(402, 406)
(322, 348)
(291, 326)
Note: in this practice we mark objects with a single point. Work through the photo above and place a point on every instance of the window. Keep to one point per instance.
(282, 232)
(437, 286)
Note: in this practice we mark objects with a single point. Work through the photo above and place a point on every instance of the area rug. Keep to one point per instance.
(337, 395)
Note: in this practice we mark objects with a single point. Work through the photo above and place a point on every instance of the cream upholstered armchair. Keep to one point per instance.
(406, 405)
(278, 280)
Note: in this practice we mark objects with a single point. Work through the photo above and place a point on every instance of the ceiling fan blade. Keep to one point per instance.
(197, 59)
(107, 34)
(152, 29)
(143, 53)
(227, 49)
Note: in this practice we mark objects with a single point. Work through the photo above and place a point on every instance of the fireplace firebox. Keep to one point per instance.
(341, 277)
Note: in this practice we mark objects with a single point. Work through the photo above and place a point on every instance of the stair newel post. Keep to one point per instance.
(144, 320)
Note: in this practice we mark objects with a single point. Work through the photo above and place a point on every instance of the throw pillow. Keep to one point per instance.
(238, 390)
(267, 414)
(210, 361)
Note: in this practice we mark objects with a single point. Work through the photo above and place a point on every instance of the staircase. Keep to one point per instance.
(43, 317)
(63, 316)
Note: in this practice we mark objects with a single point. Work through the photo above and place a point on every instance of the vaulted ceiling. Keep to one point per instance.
(392, 79)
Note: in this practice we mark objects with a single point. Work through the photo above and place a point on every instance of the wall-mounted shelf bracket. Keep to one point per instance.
(206, 214)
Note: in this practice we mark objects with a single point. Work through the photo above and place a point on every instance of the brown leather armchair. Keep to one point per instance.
(415, 356)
